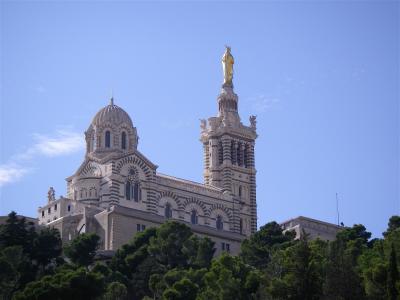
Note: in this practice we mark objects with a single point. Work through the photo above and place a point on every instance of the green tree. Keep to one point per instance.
(82, 249)
(373, 268)
(134, 251)
(357, 232)
(392, 276)
(134, 262)
(17, 232)
(155, 251)
(183, 289)
(35, 251)
(116, 291)
(168, 247)
(177, 283)
(394, 224)
(257, 250)
(199, 251)
(343, 280)
(65, 285)
(12, 261)
(230, 278)
(47, 246)
(301, 277)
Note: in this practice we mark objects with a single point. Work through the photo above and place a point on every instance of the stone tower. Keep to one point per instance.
(229, 153)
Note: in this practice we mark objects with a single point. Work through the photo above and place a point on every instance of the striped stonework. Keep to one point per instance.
(117, 189)
(230, 165)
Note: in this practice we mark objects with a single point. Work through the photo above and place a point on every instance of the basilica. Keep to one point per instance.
(117, 192)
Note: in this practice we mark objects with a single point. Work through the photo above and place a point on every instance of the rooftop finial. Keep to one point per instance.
(112, 98)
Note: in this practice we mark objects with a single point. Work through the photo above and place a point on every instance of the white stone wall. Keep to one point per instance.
(55, 210)
(313, 228)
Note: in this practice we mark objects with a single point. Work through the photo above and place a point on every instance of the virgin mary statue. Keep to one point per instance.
(227, 66)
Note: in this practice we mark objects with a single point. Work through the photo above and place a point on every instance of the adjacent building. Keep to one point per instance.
(312, 228)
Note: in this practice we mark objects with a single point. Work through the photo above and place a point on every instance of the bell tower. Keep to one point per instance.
(229, 153)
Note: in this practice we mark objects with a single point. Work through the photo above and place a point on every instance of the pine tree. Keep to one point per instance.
(16, 232)
(393, 275)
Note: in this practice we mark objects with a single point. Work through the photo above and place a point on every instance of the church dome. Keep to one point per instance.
(111, 130)
(111, 114)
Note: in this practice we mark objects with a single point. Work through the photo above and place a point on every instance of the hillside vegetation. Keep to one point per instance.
(170, 262)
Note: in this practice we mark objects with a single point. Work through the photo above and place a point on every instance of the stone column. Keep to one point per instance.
(114, 185)
(245, 155)
(220, 153)
(242, 155)
(206, 161)
(226, 145)
(234, 152)
(98, 141)
(214, 152)
(226, 172)
(253, 203)
(150, 189)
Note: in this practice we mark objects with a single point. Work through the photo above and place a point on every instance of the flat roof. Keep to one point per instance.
(311, 220)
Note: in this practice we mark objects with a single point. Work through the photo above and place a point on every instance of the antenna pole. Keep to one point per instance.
(337, 208)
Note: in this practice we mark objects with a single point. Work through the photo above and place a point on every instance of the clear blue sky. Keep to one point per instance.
(322, 77)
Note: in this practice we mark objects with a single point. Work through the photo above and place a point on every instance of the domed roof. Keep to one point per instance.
(111, 114)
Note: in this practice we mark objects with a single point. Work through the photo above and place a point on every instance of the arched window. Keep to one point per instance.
(220, 223)
(220, 153)
(128, 190)
(245, 163)
(233, 153)
(240, 191)
(168, 211)
(132, 191)
(239, 154)
(241, 226)
(108, 139)
(136, 192)
(93, 146)
(193, 217)
(123, 140)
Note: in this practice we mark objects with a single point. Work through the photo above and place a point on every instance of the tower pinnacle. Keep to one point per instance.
(229, 152)
(228, 100)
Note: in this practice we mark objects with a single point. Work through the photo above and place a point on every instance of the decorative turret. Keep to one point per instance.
(229, 152)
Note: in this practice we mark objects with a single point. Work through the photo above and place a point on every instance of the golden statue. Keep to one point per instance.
(227, 66)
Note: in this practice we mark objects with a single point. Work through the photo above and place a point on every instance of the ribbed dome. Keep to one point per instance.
(111, 114)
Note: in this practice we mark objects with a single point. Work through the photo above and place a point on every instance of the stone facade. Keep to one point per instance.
(117, 191)
(313, 228)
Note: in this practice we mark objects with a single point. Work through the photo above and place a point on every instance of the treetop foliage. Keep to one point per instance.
(82, 249)
(172, 263)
